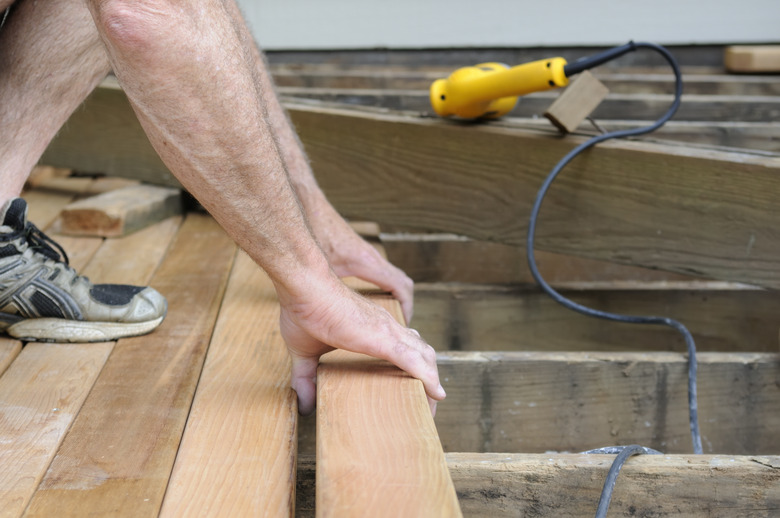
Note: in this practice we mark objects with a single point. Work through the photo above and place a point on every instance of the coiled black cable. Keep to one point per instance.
(692, 404)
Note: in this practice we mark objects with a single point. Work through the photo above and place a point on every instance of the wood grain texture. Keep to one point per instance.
(445, 258)
(378, 452)
(649, 81)
(237, 456)
(40, 394)
(682, 209)
(699, 486)
(553, 485)
(118, 455)
(120, 212)
(567, 402)
(132, 259)
(752, 108)
(9, 349)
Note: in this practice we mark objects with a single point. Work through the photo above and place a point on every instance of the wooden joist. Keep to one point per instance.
(676, 208)
(511, 484)
(721, 317)
(615, 106)
(378, 452)
(568, 402)
(638, 82)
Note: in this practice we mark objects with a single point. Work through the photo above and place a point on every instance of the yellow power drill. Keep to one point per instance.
(490, 90)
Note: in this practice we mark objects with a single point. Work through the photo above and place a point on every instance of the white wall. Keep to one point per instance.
(345, 24)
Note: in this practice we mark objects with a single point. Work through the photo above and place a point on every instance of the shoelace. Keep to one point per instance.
(43, 244)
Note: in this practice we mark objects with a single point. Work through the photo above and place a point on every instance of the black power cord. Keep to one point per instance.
(574, 68)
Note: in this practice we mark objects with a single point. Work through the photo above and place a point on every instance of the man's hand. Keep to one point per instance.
(350, 255)
(335, 315)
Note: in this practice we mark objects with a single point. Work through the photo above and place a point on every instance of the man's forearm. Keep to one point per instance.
(204, 118)
(290, 147)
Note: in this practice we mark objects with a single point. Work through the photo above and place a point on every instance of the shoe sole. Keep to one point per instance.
(75, 331)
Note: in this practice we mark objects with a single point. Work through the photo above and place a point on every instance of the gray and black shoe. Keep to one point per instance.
(44, 299)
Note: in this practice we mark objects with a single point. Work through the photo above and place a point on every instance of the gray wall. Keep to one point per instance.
(349, 24)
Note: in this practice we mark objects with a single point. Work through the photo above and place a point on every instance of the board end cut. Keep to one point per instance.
(120, 212)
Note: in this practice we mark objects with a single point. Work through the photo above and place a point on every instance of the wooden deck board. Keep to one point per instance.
(40, 394)
(237, 456)
(117, 458)
(9, 349)
(378, 452)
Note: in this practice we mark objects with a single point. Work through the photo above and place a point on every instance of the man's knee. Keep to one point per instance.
(134, 24)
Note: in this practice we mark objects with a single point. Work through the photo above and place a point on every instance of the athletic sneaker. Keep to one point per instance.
(43, 299)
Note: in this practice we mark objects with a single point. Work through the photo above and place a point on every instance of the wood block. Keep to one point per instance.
(576, 102)
(237, 456)
(43, 174)
(120, 212)
(753, 58)
(378, 452)
(119, 452)
(41, 393)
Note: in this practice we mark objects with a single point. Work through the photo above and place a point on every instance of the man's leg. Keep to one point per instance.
(51, 58)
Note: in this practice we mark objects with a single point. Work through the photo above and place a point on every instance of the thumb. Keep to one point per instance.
(304, 376)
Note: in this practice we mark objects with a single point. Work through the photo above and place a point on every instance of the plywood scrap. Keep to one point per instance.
(378, 452)
(576, 102)
(120, 212)
(237, 456)
(752, 58)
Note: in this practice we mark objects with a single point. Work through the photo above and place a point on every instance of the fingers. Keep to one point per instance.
(382, 273)
(304, 376)
(416, 357)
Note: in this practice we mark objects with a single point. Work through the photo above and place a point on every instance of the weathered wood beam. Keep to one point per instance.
(658, 82)
(567, 402)
(378, 453)
(451, 258)
(679, 208)
(554, 485)
(106, 137)
(521, 317)
(615, 106)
